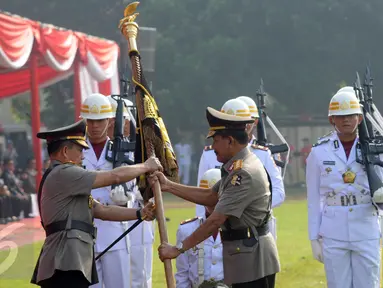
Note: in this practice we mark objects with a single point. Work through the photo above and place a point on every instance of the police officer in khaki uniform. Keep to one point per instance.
(242, 201)
(67, 209)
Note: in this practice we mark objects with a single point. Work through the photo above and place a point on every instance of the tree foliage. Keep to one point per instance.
(210, 51)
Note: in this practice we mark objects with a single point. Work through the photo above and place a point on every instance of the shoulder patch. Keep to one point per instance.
(189, 220)
(320, 142)
(236, 180)
(259, 147)
(208, 148)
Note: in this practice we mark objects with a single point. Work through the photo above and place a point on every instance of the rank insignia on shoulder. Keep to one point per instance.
(320, 142)
(237, 164)
(236, 180)
(327, 135)
(208, 148)
(189, 220)
(259, 147)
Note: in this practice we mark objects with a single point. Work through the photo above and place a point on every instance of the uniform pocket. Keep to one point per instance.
(329, 213)
(80, 235)
(242, 246)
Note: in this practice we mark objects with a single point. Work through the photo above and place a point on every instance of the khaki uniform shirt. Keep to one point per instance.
(66, 196)
(244, 196)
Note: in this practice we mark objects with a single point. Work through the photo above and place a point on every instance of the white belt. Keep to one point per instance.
(348, 200)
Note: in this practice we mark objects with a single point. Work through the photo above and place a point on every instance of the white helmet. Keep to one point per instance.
(344, 103)
(346, 89)
(96, 107)
(236, 107)
(252, 106)
(113, 102)
(209, 178)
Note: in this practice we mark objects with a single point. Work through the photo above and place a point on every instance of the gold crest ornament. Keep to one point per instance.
(349, 176)
(328, 170)
(236, 180)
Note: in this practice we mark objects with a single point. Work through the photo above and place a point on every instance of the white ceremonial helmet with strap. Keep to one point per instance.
(344, 103)
(113, 102)
(236, 107)
(251, 104)
(96, 107)
(209, 178)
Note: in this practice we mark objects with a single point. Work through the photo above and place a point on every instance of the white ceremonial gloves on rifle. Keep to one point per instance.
(119, 196)
(317, 249)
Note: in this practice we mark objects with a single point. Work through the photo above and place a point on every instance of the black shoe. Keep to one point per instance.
(167, 219)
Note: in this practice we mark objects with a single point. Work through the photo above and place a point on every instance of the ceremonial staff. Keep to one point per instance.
(152, 137)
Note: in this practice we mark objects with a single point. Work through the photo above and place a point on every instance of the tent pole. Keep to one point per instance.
(35, 113)
(77, 89)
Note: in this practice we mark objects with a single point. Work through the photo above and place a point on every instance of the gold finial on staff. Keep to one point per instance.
(128, 27)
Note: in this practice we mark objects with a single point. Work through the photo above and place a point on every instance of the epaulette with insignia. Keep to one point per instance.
(208, 148)
(189, 220)
(320, 142)
(259, 147)
(327, 135)
(237, 164)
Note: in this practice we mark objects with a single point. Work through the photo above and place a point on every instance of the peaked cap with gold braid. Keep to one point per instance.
(75, 133)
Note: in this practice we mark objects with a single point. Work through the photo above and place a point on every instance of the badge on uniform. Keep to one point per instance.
(236, 180)
(349, 176)
(328, 162)
(328, 170)
(336, 144)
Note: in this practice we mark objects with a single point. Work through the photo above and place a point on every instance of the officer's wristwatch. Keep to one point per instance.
(180, 247)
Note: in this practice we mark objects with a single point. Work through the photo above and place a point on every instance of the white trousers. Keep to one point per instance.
(141, 262)
(352, 264)
(184, 172)
(113, 269)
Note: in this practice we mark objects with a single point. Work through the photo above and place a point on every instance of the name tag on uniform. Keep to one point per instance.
(329, 163)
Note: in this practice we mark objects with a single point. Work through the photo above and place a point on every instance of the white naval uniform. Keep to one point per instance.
(189, 273)
(184, 153)
(113, 267)
(343, 216)
(209, 161)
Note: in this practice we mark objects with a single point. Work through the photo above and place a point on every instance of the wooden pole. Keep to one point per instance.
(130, 30)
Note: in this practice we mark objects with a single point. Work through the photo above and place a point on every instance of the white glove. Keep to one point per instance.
(119, 196)
(317, 249)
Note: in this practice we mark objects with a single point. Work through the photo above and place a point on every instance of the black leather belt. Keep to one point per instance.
(75, 224)
(247, 233)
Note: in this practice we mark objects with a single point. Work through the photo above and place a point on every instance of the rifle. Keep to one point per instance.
(370, 106)
(261, 130)
(120, 148)
(370, 147)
